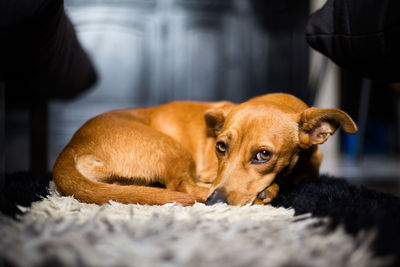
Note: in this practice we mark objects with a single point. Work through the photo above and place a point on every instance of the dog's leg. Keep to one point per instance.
(179, 170)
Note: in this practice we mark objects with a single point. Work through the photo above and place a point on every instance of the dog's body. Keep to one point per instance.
(120, 154)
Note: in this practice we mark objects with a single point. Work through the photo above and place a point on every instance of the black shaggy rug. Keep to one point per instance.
(355, 209)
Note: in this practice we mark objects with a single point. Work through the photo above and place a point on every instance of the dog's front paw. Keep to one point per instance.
(267, 195)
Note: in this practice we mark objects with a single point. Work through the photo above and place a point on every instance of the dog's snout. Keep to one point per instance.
(218, 196)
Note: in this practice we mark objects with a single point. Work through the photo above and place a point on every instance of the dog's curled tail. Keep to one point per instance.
(70, 181)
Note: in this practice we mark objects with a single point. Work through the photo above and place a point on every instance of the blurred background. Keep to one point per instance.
(148, 52)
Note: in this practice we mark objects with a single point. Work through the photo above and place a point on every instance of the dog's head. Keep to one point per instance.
(257, 141)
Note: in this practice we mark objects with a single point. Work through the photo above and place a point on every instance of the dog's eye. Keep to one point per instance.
(221, 147)
(262, 156)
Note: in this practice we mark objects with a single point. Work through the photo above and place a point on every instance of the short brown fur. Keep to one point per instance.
(118, 155)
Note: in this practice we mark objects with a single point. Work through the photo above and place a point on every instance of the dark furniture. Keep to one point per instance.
(41, 59)
(363, 37)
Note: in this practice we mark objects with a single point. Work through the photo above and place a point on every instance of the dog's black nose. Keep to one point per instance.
(218, 196)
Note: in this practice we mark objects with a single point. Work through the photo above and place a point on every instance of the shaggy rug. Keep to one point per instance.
(327, 223)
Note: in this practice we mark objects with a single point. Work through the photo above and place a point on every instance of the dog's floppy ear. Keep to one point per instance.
(215, 117)
(316, 125)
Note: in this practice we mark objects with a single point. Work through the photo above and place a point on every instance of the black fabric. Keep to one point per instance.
(363, 36)
(22, 189)
(356, 208)
(40, 54)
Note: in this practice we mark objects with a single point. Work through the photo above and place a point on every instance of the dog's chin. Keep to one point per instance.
(242, 201)
(255, 200)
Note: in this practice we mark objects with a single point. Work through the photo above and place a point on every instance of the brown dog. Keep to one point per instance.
(217, 151)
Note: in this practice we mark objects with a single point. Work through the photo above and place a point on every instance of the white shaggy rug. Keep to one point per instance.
(60, 231)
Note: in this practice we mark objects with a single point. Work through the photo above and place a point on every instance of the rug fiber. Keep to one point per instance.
(328, 223)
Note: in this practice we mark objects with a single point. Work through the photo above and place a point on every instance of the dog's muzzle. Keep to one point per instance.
(218, 196)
